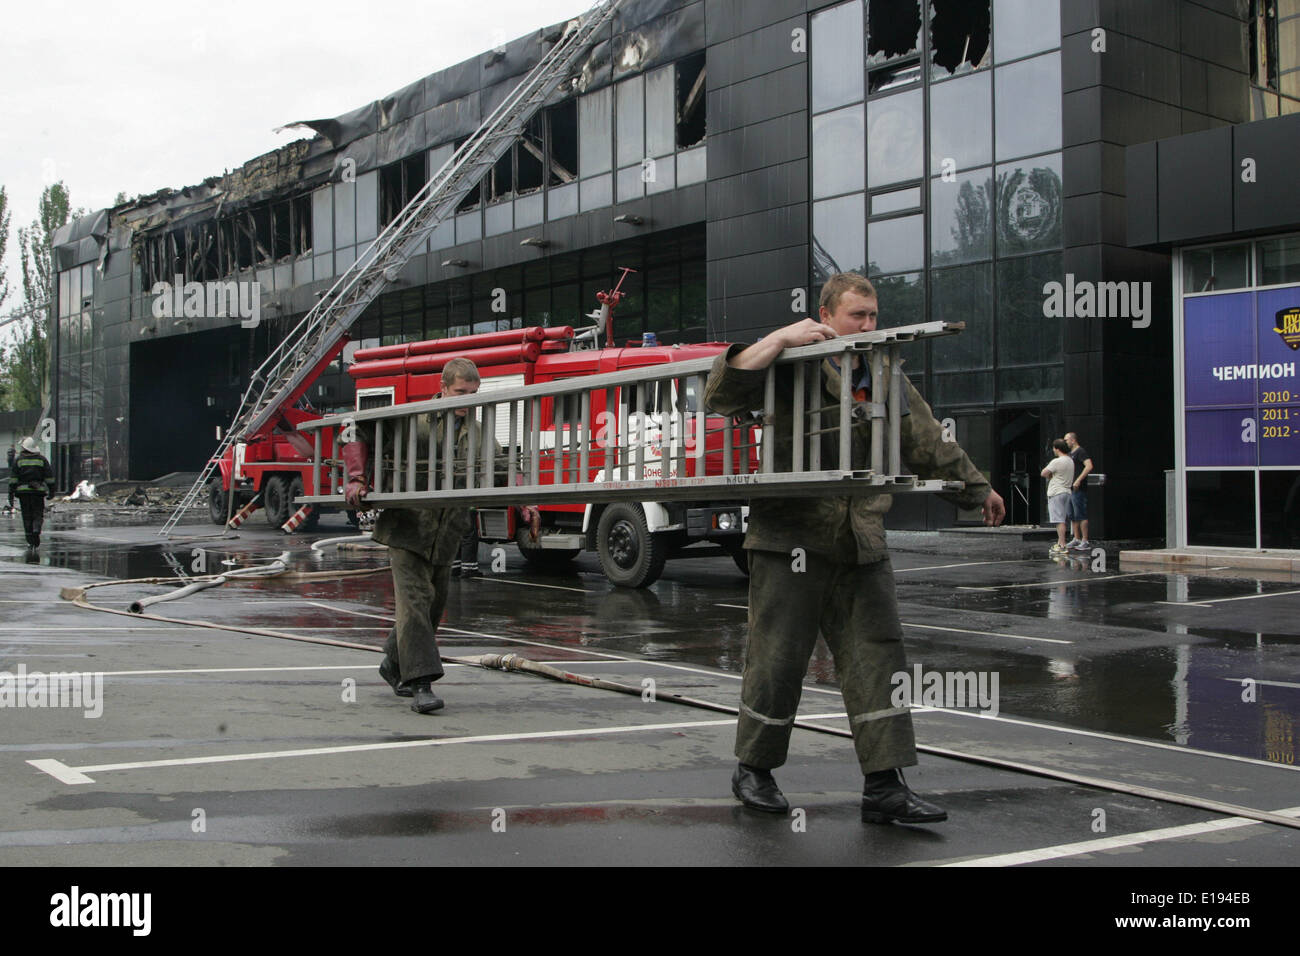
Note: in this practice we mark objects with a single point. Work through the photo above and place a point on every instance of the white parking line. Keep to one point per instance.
(1266, 683)
(969, 564)
(1115, 842)
(966, 630)
(80, 775)
(491, 578)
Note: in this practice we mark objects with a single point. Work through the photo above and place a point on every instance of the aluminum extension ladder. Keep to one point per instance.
(651, 439)
(320, 330)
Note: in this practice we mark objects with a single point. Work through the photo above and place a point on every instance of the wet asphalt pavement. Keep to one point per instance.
(297, 753)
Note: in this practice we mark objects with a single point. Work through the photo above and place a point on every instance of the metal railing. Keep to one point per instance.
(640, 434)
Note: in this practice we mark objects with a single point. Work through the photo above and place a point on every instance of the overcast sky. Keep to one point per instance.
(133, 97)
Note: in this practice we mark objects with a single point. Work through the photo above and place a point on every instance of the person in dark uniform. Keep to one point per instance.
(13, 455)
(421, 544)
(29, 479)
(821, 564)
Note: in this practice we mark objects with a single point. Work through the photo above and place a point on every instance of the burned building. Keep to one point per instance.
(965, 154)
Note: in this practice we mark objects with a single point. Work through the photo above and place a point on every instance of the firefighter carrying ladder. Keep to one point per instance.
(290, 365)
(656, 407)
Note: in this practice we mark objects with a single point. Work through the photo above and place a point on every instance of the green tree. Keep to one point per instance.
(4, 245)
(26, 361)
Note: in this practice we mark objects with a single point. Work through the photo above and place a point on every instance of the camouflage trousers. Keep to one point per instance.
(855, 608)
(420, 592)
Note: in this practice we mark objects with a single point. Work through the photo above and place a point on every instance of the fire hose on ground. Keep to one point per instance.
(515, 663)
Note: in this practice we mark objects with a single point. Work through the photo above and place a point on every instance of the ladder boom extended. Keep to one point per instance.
(293, 363)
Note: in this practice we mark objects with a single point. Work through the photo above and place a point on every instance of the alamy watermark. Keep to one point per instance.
(34, 689)
(1098, 300)
(954, 690)
(208, 300)
(77, 909)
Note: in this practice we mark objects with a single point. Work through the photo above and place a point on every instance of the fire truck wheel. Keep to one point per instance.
(543, 559)
(276, 501)
(216, 502)
(313, 519)
(630, 555)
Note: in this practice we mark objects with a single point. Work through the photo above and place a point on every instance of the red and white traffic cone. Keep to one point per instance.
(299, 516)
(243, 513)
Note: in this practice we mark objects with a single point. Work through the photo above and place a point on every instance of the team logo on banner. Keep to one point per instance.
(1288, 326)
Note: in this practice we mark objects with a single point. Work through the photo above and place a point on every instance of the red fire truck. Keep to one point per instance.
(633, 539)
(274, 466)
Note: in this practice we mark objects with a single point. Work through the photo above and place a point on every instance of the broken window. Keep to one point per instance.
(530, 155)
(260, 218)
(690, 101)
(893, 44)
(959, 37)
(562, 132)
(281, 230)
(398, 184)
(472, 197)
(893, 30)
(500, 179)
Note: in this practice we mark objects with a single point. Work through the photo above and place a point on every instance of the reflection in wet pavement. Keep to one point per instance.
(1136, 653)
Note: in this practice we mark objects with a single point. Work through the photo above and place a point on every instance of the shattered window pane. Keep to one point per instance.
(563, 126)
(630, 109)
(837, 141)
(959, 36)
(1023, 27)
(595, 125)
(690, 101)
(893, 30)
(961, 124)
(837, 56)
(894, 138)
(530, 154)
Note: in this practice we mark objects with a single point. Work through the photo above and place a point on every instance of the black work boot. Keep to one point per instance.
(755, 788)
(388, 671)
(886, 798)
(425, 700)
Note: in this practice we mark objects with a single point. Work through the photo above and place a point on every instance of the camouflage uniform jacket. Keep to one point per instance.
(845, 528)
(434, 533)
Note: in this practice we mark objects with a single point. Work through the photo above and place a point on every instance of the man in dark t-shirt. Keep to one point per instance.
(1078, 509)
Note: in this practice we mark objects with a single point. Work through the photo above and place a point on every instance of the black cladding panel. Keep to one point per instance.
(1193, 199)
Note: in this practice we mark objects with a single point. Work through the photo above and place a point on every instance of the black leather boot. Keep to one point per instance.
(425, 700)
(388, 671)
(756, 789)
(886, 798)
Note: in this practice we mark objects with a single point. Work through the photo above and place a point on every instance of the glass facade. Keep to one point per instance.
(80, 433)
(936, 171)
